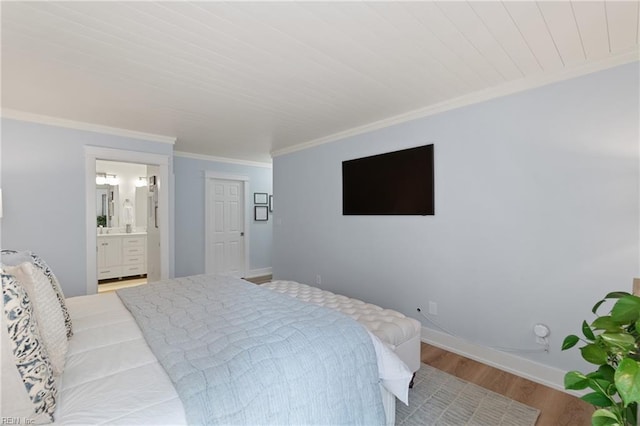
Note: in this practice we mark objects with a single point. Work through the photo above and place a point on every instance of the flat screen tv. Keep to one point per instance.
(394, 183)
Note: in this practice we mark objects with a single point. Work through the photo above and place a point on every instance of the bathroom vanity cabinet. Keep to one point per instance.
(121, 255)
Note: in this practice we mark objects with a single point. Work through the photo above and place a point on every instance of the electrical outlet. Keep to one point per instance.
(318, 279)
(433, 308)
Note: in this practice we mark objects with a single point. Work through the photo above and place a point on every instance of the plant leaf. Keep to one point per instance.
(594, 354)
(611, 389)
(616, 295)
(597, 399)
(627, 379)
(601, 385)
(604, 417)
(597, 305)
(631, 413)
(586, 330)
(621, 340)
(575, 380)
(606, 323)
(626, 310)
(607, 372)
(570, 341)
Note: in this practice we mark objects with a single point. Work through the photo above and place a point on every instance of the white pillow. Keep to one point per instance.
(28, 385)
(14, 258)
(47, 311)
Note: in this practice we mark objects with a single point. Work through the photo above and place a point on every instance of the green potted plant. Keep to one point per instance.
(612, 342)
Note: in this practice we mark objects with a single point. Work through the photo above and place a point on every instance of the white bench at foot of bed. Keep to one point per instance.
(399, 332)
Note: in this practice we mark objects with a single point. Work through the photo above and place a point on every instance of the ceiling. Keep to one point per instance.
(244, 79)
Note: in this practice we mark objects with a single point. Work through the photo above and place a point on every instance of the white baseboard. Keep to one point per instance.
(531, 370)
(258, 272)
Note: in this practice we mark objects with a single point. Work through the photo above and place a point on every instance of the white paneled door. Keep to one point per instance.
(225, 227)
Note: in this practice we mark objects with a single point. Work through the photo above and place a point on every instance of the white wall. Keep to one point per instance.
(537, 214)
(190, 216)
(1, 197)
(43, 174)
(43, 177)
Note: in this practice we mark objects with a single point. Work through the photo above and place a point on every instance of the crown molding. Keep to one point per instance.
(505, 89)
(80, 125)
(221, 159)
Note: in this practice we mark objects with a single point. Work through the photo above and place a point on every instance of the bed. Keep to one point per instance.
(396, 331)
(150, 355)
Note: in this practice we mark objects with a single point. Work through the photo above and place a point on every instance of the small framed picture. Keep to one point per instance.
(261, 213)
(260, 198)
(271, 203)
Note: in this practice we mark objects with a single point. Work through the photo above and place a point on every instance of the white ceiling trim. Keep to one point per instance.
(79, 125)
(221, 159)
(469, 99)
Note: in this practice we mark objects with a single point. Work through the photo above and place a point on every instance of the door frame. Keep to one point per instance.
(210, 176)
(93, 153)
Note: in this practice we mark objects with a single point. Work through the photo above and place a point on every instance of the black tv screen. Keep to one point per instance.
(394, 183)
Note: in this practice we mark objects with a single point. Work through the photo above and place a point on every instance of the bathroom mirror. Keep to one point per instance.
(107, 206)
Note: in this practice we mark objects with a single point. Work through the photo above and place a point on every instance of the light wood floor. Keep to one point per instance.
(259, 280)
(556, 408)
(113, 285)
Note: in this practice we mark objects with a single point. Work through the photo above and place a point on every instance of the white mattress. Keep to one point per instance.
(399, 332)
(112, 377)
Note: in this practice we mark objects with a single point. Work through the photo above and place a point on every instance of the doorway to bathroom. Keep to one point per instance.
(127, 218)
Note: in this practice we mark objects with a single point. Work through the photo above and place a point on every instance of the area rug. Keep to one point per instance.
(438, 398)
